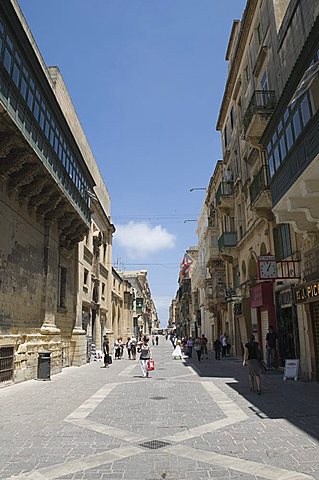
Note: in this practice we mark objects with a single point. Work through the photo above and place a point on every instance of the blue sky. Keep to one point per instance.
(146, 78)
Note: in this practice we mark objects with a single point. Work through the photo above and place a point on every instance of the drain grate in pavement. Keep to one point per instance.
(154, 444)
(158, 398)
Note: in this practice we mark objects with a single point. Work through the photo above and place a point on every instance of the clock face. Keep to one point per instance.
(267, 269)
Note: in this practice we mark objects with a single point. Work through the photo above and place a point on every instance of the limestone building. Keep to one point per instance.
(144, 310)
(48, 176)
(268, 230)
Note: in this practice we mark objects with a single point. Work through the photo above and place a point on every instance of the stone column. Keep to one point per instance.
(78, 341)
(50, 283)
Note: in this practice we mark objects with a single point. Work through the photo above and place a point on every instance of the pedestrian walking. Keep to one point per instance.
(204, 345)
(106, 351)
(133, 343)
(145, 356)
(271, 345)
(252, 357)
(189, 345)
(198, 348)
(156, 339)
(217, 348)
(128, 347)
(223, 341)
(177, 352)
(117, 349)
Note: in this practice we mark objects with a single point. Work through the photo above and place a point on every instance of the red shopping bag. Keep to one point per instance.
(150, 365)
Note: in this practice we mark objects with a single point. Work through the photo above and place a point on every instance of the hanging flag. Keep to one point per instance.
(185, 265)
(308, 77)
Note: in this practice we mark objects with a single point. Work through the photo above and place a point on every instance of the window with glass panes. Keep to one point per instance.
(27, 100)
(282, 241)
(288, 130)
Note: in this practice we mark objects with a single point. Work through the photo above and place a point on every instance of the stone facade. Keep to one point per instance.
(144, 310)
(47, 170)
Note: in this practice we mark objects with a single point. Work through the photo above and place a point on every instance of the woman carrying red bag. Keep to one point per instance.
(145, 356)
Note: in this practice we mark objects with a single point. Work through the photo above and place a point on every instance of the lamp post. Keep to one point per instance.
(197, 188)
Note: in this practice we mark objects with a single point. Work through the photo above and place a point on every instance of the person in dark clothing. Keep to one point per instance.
(271, 345)
(217, 348)
(252, 361)
(156, 339)
(106, 351)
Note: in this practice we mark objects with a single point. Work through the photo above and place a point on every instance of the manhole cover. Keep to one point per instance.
(160, 378)
(158, 398)
(154, 444)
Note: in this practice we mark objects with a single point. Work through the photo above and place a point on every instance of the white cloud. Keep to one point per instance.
(140, 239)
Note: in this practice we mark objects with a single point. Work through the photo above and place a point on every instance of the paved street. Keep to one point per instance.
(95, 423)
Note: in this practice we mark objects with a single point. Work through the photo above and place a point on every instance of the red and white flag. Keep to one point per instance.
(185, 265)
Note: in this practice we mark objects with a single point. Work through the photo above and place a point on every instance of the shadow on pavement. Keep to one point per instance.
(295, 401)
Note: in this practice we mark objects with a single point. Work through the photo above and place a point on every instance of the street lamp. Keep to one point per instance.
(197, 188)
(191, 220)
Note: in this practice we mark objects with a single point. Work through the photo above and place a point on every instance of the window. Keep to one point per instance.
(271, 166)
(85, 276)
(276, 157)
(289, 135)
(264, 82)
(283, 149)
(288, 130)
(232, 118)
(103, 291)
(7, 60)
(225, 137)
(30, 100)
(258, 34)
(16, 74)
(62, 287)
(23, 88)
(282, 241)
(305, 110)
(297, 124)
(247, 74)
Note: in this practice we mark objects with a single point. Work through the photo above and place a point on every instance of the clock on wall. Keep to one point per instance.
(267, 267)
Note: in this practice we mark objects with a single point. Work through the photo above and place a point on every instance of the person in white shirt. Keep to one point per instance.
(223, 341)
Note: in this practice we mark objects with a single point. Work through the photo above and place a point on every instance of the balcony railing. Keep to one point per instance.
(262, 102)
(259, 184)
(227, 240)
(225, 189)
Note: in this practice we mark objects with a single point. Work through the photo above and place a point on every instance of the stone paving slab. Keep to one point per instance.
(89, 423)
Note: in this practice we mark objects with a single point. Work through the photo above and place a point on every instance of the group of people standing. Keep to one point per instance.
(222, 346)
(185, 346)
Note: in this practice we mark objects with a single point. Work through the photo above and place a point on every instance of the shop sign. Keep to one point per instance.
(307, 292)
(261, 295)
(285, 298)
(238, 310)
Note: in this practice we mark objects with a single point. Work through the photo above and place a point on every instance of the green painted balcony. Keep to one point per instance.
(227, 240)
